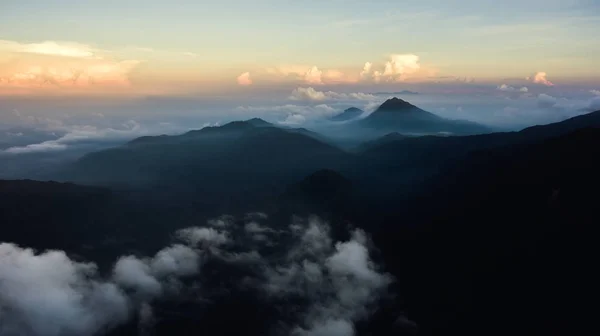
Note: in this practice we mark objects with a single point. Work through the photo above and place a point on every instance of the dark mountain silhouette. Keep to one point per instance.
(497, 232)
(398, 115)
(220, 159)
(348, 114)
(390, 137)
(437, 149)
(499, 241)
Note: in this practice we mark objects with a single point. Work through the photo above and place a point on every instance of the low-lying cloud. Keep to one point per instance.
(337, 282)
(508, 88)
(310, 94)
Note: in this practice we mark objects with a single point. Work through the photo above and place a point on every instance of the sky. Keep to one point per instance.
(514, 62)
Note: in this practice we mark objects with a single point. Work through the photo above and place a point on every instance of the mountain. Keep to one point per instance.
(390, 137)
(398, 115)
(348, 114)
(221, 159)
(497, 232)
(441, 148)
(323, 189)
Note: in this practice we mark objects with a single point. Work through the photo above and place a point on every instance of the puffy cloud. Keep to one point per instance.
(203, 236)
(340, 279)
(49, 294)
(244, 79)
(366, 70)
(507, 88)
(293, 119)
(254, 227)
(595, 92)
(178, 260)
(540, 78)
(313, 76)
(398, 67)
(53, 65)
(337, 282)
(310, 94)
(133, 273)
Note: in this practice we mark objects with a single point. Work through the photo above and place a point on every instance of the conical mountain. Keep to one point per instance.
(398, 115)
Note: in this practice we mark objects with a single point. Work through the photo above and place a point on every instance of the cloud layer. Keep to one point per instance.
(49, 293)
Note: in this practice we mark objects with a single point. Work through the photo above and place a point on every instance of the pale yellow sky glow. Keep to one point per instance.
(150, 47)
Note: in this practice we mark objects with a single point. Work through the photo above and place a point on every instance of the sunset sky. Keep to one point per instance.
(191, 47)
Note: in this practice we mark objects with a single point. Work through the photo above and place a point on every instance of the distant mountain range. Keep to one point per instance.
(472, 227)
(348, 114)
(248, 153)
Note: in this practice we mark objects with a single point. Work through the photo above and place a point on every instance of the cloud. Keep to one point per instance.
(49, 294)
(293, 119)
(366, 70)
(507, 88)
(54, 65)
(595, 92)
(244, 79)
(399, 65)
(333, 283)
(313, 76)
(546, 101)
(79, 134)
(203, 236)
(51, 48)
(567, 106)
(310, 94)
(540, 78)
(293, 114)
(397, 68)
(340, 280)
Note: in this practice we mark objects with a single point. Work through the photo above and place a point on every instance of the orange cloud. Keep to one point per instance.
(244, 79)
(65, 67)
(540, 78)
(398, 68)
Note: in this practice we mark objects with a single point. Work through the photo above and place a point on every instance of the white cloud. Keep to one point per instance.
(341, 280)
(133, 273)
(293, 119)
(595, 92)
(507, 88)
(310, 94)
(77, 134)
(52, 48)
(313, 76)
(399, 65)
(203, 236)
(244, 79)
(366, 70)
(540, 78)
(293, 114)
(49, 294)
(254, 227)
